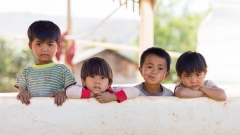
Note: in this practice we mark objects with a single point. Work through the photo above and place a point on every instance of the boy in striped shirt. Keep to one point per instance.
(45, 78)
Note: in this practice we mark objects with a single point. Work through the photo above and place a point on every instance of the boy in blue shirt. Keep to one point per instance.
(45, 78)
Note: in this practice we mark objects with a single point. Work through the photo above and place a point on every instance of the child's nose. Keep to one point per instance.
(155, 71)
(194, 79)
(97, 80)
(44, 48)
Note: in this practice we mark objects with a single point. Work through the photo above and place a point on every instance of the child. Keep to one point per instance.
(97, 78)
(45, 78)
(154, 68)
(191, 69)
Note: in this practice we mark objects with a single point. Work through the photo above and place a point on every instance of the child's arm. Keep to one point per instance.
(214, 93)
(119, 94)
(24, 95)
(77, 92)
(184, 92)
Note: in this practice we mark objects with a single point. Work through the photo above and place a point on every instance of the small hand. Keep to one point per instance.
(106, 97)
(24, 96)
(60, 97)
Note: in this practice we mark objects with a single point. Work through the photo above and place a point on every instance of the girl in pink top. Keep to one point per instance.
(97, 78)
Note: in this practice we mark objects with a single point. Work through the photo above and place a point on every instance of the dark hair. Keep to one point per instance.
(44, 30)
(96, 66)
(191, 62)
(156, 51)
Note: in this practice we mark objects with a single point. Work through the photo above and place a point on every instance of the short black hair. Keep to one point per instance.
(191, 62)
(96, 66)
(156, 51)
(44, 30)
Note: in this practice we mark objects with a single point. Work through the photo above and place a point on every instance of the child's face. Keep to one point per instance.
(96, 83)
(193, 81)
(44, 51)
(154, 70)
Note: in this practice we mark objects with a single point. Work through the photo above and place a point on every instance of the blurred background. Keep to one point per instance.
(117, 30)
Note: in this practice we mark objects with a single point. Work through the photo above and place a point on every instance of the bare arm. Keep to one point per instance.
(214, 93)
(184, 92)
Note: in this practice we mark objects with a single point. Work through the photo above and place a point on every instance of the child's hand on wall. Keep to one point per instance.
(59, 97)
(106, 97)
(24, 96)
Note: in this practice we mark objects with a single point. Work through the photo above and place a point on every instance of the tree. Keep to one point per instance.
(175, 31)
(12, 61)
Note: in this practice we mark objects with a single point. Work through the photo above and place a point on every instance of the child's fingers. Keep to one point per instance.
(21, 98)
(27, 100)
(55, 100)
(60, 101)
(18, 97)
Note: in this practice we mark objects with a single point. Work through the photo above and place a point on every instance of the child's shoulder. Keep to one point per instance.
(61, 66)
(209, 83)
(27, 69)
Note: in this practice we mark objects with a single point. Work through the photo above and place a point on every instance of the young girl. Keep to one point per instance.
(191, 69)
(97, 78)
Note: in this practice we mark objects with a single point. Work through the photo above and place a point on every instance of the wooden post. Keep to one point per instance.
(146, 39)
(69, 32)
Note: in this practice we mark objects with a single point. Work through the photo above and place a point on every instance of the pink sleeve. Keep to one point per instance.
(85, 93)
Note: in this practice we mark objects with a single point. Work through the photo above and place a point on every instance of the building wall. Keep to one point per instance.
(124, 70)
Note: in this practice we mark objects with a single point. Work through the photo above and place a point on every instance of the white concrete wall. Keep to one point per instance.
(140, 116)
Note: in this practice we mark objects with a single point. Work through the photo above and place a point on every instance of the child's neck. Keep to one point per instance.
(152, 89)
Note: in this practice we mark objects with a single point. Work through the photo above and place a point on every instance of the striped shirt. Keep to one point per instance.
(43, 80)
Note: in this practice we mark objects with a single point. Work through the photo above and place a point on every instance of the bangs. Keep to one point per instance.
(192, 67)
(191, 62)
(96, 66)
(95, 69)
(46, 34)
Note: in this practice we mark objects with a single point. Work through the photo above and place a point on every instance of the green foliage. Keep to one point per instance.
(12, 61)
(175, 32)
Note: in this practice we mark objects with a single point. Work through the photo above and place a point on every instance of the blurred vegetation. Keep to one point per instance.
(12, 61)
(176, 31)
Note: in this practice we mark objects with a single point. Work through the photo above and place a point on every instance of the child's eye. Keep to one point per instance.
(38, 44)
(149, 67)
(50, 44)
(103, 77)
(160, 68)
(198, 74)
(92, 76)
(187, 76)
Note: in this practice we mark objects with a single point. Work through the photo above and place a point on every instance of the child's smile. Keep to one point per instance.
(154, 69)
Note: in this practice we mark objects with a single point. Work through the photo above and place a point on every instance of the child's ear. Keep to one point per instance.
(30, 45)
(59, 47)
(140, 70)
(167, 74)
(83, 82)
